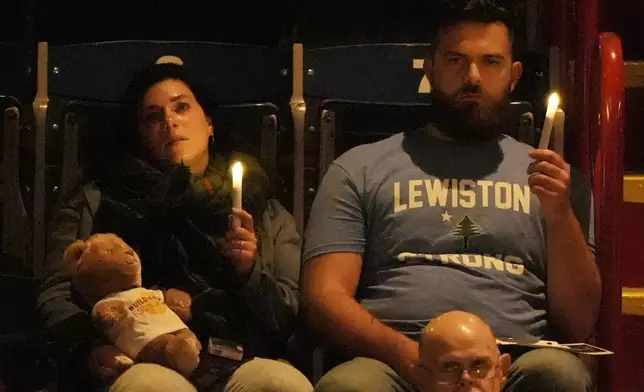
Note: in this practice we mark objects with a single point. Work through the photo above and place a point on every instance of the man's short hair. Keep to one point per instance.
(454, 12)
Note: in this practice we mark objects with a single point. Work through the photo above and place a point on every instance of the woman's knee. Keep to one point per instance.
(267, 375)
(148, 377)
(549, 370)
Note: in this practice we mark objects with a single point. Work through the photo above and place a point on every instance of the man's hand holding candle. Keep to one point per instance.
(549, 173)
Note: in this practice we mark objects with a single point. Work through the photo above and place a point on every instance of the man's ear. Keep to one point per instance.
(420, 378)
(211, 128)
(428, 65)
(517, 71)
(504, 363)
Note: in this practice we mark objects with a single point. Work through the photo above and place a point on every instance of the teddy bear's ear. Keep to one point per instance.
(74, 253)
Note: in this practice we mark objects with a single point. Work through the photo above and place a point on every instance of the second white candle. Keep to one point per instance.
(553, 105)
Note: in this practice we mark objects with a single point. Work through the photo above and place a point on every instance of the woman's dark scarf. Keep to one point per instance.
(177, 226)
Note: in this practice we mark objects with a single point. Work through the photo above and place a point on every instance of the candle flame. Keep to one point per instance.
(553, 100)
(238, 170)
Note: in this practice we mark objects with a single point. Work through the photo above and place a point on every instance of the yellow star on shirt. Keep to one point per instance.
(446, 217)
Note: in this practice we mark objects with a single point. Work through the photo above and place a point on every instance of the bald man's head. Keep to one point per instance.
(457, 330)
(458, 341)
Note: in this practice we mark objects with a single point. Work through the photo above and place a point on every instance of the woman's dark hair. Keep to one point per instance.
(129, 138)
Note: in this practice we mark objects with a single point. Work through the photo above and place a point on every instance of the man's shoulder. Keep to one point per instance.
(366, 155)
(510, 143)
(515, 154)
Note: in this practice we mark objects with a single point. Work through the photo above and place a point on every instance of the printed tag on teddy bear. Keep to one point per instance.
(225, 348)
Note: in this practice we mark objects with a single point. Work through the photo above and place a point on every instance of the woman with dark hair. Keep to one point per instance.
(169, 197)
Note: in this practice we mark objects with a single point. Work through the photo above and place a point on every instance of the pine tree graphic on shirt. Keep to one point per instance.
(466, 228)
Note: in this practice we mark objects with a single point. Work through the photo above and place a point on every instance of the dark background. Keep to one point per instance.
(268, 23)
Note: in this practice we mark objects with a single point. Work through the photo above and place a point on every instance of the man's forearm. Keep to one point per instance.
(346, 324)
(574, 284)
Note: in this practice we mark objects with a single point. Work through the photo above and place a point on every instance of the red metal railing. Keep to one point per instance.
(592, 83)
(606, 118)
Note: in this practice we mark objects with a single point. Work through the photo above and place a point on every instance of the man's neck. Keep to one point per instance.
(432, 130)
(440, 130)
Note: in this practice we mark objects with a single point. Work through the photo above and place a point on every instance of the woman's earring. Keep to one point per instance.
(212, 138)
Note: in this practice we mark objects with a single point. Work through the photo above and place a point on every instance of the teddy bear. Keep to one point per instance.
(146, 325)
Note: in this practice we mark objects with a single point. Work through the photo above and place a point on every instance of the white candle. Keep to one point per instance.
(553, 105)
(238, 172)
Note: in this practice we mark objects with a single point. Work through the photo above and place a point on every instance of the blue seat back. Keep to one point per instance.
(363, 93)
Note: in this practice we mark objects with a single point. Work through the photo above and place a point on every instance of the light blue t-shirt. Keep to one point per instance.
(441, 226)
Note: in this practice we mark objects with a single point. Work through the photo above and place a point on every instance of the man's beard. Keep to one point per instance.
(470, 122)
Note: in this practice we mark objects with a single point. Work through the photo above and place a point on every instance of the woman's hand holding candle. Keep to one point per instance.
(241, 243)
